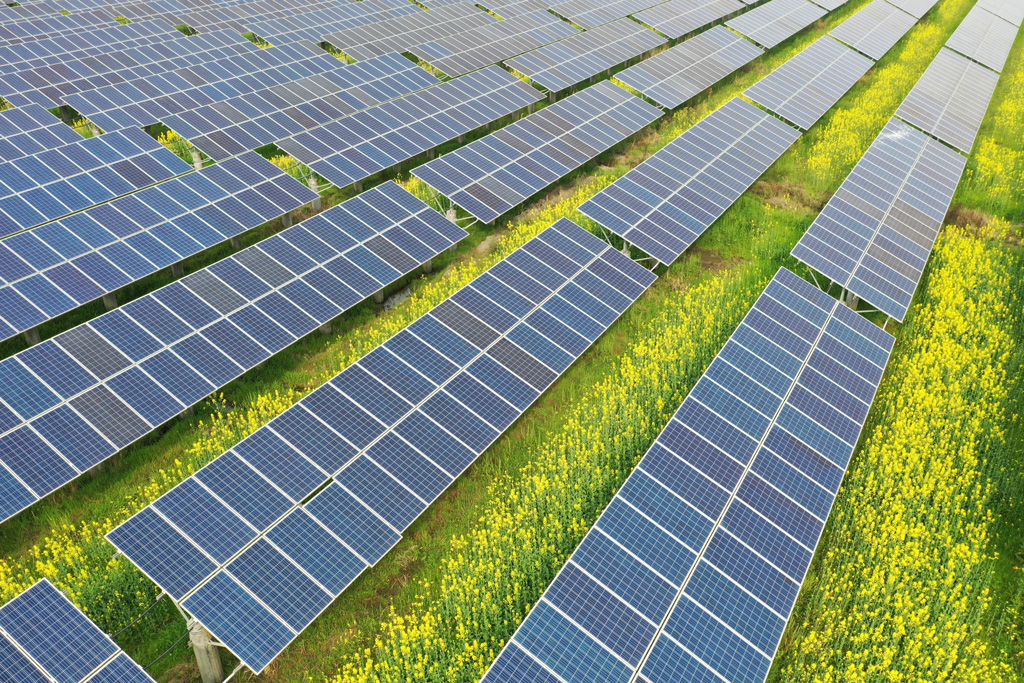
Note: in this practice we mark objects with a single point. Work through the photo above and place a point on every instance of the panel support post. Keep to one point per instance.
(177, 269)
(531, 107)
(210, 669)
(462, 138)
(314, 185)
(852, 300)
(432, 152)
(110, 301)
(358, 186)
(236, 243)
(552, 96)
(326, 328)
(625, 248)
(286, 220)
(197, 160)
(378, 296)
(451, 214)
(31, 336)
(95, 129)
(428, 266)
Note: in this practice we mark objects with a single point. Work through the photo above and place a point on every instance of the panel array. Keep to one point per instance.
(57, 267)
(492, 175)
(55, 182)
(674, 76)
(678, 18)
(692, 570)
(666, 202)
(48, 84)
(874, 28)
(810, 83)
(476, 48)
(513, 8)
(916, 8)
(98, 387)
(984, 37)
(39, 28)
(1010, 10)
(45, 638)
(238, 16)
(313, 26)
(227, 128)
(875, 235)
(145, 101)
(392, 431)
(400, 34)
(593, 13)
(563, 64)
(28, 130)
(950, 99)
(774, 21)
(356, 147)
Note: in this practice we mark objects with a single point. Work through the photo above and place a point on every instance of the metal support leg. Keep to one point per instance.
(852, 300)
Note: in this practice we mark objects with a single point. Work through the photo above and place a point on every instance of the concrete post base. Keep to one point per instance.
(31, 336)
(207, 657)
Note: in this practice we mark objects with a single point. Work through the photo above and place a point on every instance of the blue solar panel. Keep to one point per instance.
(700, 556)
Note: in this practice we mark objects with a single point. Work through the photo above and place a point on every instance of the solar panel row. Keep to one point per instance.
(567, 62)
(479, 47)
(392, 431)
(38, 28)
(88, 392)
(984, 37)
(313, 26)
(915, 8)
(400, 34)
(949, 101)
(876, 232)
(45, 638)
(1010, 10)
(592, 13)
(874, 28)
(55, 182)
(513, 8)
(492, 175)
(145, 101)
(49, 84)
(809, 84)
(57, 267)
(678, 18)
(30, 129)
(224, 129)
(692, 570)
(238, 17)
(672, 77)
(665, 203)
(356, 147)
(771, 23)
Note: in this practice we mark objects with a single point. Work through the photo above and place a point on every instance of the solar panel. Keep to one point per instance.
(62, 180)
(238, 16)
(227, 128)
(875, 235)
(665, 203)
(31, 129)
(64, 264)
(402, 33)
(37, 28)
(513, 8)
(771, 23)
(984, 37)
(152, 358)
(44, 638)
(563, 64)
(917, 8)
(1010, 10)
(874, 28)
(692, 570)
(48, 85)
(492, 175)
(672, 77)
(145, 101)
(830, 4)
(479, 47)
(810, 83)
(397, 427)
(592, 13)
(315, 25)
(356, 147)
(678, 18)
(950, 99)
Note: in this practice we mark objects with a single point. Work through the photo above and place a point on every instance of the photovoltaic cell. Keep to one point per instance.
(678, 18)
(692, 570)
(809, 84)
(876, 233)
(476, 48)
(771, 23)
(874, 28)
(984, 37)
(125, 375)
(450, 384)
(950, 99)
(674, 76)
(665, 203)
(490, 176)
(577, 58)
